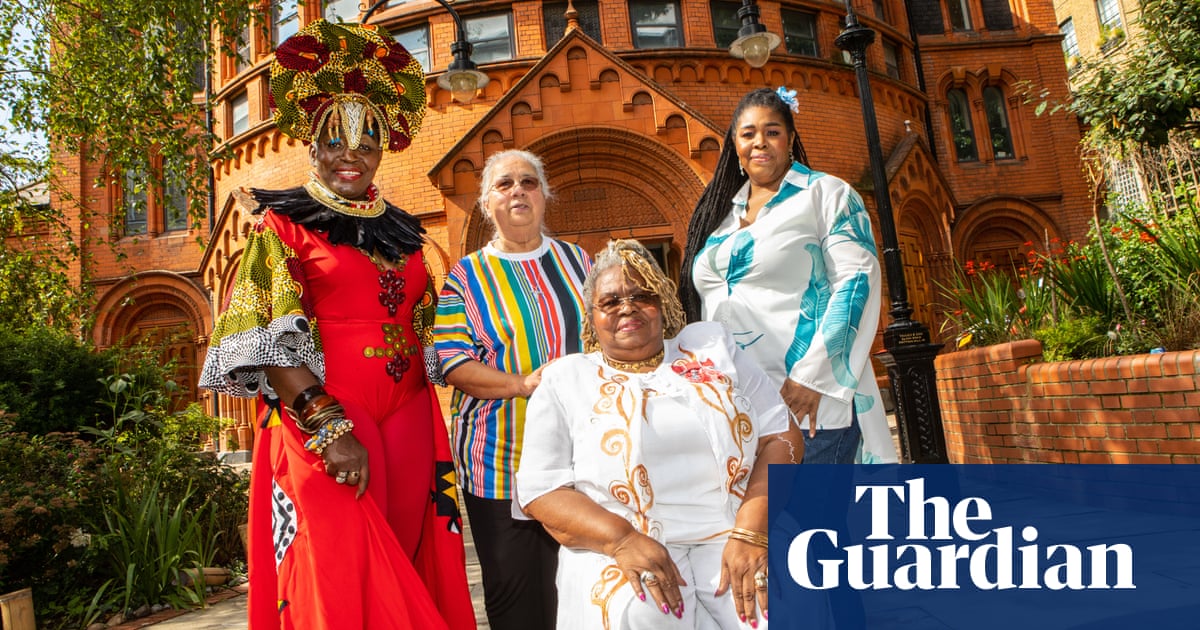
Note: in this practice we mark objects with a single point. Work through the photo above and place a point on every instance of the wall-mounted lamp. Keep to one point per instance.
(754, 42)
(461, 78)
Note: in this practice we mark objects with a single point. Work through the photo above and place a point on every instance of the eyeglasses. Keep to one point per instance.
(506, 185)
(612, 303)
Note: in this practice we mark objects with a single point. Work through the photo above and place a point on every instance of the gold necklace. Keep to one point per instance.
(372, 207)
(635, 366)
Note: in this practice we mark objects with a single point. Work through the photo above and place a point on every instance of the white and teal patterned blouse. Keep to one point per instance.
(799, 289)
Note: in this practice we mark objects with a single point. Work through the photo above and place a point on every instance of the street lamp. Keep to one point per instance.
(754, 42)
(461, 78)
(908, 352)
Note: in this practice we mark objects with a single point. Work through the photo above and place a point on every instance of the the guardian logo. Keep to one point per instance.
(976, 554)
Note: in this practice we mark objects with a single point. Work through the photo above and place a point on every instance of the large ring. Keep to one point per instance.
(341, 477)
(648, 578)
(760, 581)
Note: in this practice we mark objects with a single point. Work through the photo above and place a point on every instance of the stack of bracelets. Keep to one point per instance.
(321, 416)
(757, 539)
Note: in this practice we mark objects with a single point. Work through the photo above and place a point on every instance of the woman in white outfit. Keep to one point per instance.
(646, 459)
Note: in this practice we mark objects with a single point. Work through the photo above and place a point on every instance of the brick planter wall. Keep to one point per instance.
(1002, 404)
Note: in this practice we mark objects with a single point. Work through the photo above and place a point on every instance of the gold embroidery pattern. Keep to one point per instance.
(720, 394)
(618, 403)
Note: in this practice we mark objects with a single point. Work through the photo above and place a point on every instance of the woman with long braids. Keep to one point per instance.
(783, 256)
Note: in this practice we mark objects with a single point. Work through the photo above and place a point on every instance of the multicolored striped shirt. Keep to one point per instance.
(512, 312)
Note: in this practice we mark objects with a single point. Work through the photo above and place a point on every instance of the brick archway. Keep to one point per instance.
(166, 310)
(996, 231)
(611, 183)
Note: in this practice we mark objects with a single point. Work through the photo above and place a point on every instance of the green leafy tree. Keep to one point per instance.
(111, 82)
(1144, 96)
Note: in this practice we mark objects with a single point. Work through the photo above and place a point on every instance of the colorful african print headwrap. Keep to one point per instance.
(349, 78)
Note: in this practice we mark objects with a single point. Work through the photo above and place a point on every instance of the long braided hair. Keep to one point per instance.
(717, 199)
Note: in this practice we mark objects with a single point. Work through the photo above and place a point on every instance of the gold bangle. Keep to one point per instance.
(758, 539)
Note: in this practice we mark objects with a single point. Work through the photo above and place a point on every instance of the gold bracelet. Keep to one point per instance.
(758, 539)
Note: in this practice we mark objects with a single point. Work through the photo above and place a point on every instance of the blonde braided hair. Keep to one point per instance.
(639, 266)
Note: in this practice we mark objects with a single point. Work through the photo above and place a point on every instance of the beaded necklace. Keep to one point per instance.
(369, 208)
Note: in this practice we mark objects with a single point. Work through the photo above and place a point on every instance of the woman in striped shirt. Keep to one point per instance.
(506, 311)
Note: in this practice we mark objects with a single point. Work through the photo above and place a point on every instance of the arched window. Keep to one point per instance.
(997, 118)
(960, 126)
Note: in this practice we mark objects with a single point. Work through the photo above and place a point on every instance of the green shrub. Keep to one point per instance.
(74, 514)
(48, 380)
(1083, 337)
(51, 486)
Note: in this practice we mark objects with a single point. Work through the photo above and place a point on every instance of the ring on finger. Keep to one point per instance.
(760, 581)
(341, 477)
(648, 578)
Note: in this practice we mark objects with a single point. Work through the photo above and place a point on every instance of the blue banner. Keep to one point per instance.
(1012, 547)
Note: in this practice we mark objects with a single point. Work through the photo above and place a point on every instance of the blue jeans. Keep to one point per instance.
(833, 446)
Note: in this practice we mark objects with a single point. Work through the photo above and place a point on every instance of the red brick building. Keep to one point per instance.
(628, 111)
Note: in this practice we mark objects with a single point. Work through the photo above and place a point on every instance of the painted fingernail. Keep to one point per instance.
(666, 609)
(753, 623)
(742, 618)
(642, 596)
(680, 609)
(765, 614)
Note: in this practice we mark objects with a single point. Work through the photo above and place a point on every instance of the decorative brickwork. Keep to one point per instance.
(1001, 404)
(631, 136)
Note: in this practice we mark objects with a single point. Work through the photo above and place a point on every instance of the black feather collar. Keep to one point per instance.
(392, 235)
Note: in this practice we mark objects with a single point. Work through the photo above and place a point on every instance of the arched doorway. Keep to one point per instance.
(612, 183)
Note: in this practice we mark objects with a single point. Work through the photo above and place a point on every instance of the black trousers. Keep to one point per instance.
(518, 560)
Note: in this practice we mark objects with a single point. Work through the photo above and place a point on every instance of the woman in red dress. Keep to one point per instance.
(354, 521)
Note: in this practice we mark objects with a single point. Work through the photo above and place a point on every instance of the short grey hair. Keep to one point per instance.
(489, 174)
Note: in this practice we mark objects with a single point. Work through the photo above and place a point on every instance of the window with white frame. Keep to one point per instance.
(285, 20)
(800, 33)
(244, 53)
(997, 118)
(491, 36)
(725, 22)
(891, 59)
(416, 42)
(239, 118)
(656, 24)
(133, 200)
(1109, 12)
(1069, 43)
(960, 14)
(175, 200)
(961, 129)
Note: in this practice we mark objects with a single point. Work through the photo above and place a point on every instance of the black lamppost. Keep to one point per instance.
(461, 76)
(908, 352)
